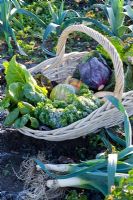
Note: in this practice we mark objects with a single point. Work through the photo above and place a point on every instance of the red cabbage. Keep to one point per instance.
(94, 73)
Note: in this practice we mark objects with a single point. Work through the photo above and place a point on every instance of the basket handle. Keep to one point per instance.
(107, 45)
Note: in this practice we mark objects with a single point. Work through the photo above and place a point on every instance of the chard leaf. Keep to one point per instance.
(32, 95)
(15, 91)
(22, 121)
(4, 103)
(29, 78)
(25, 108)
(42, 90)
(34, 122)
(11, 117)
(14, 72)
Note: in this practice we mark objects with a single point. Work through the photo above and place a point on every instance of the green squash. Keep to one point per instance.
(61, 91)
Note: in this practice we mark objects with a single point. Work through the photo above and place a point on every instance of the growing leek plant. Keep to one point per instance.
(10, 15)
(58, 18)
(129, 13)
(115, 13)
(62, 19)
(101, 173)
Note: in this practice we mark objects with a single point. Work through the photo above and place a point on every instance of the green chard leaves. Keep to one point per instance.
(15, 72)
(22, 121)
(11, 117)
(15, 91)
(21, 91)
(25, 108)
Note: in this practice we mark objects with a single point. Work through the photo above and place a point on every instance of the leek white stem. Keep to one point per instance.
(97, 180)
(56, 168)
(69, 182)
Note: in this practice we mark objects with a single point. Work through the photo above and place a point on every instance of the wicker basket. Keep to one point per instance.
(62, 66)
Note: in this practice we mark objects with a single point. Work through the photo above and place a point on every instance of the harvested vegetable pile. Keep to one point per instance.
(31, 105)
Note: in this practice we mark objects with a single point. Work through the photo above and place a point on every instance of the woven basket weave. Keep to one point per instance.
(63, 65)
